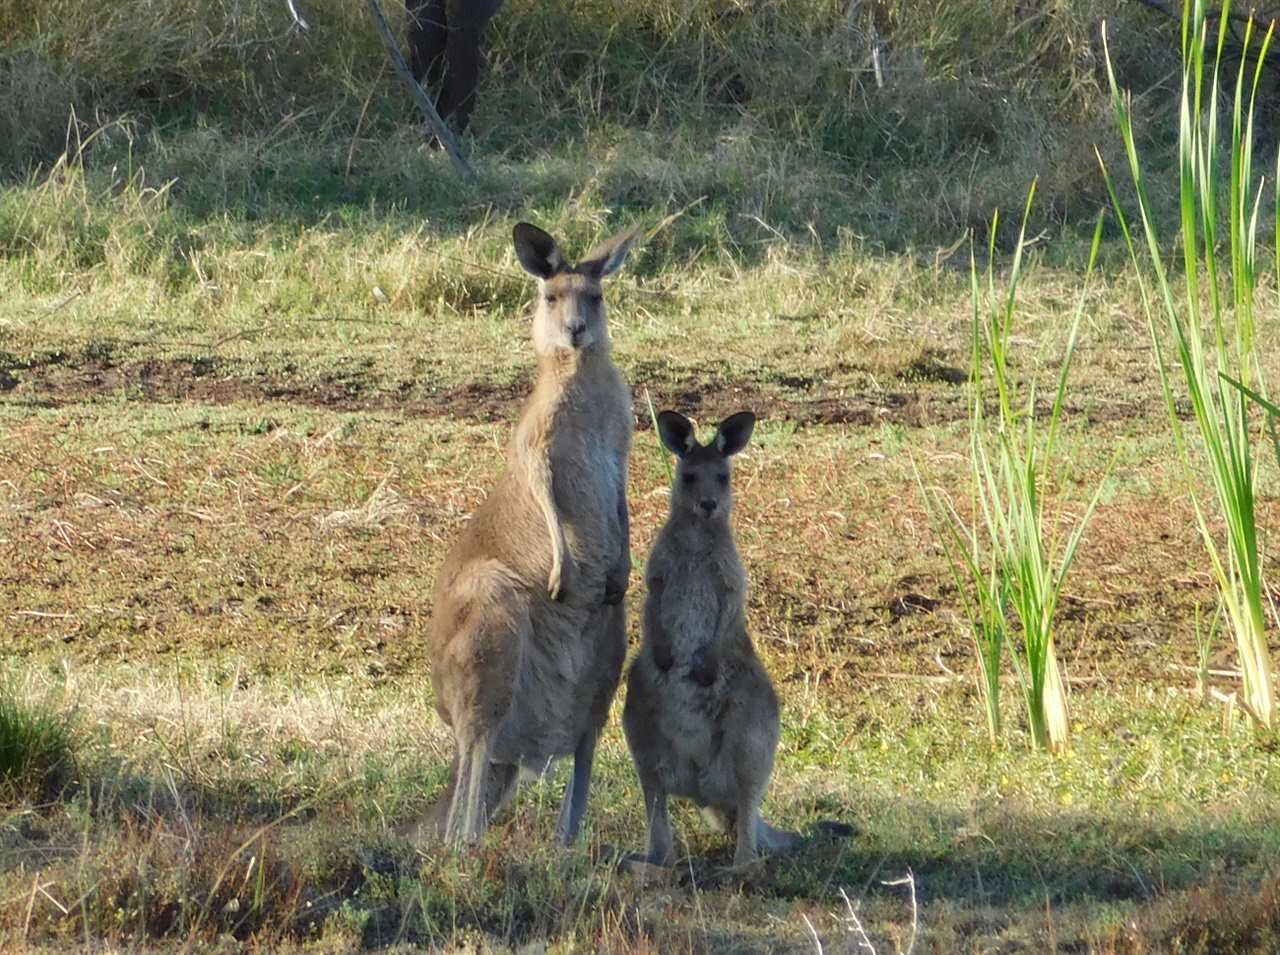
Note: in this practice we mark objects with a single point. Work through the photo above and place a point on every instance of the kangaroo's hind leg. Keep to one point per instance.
(468, 816)
(607, 630)
(661, 850)
(482, 788)
(434, 822)
(745, 820)
(574, 806)
(475, 678)
(503, 778)
(753, 765)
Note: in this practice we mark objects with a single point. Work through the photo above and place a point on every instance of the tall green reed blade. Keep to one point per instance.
(972, 566)
(1213, 358)
(1263, 402)
(1004, 554)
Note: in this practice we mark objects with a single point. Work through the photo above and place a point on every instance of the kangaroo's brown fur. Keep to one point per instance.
(527, 637)
(701, 715)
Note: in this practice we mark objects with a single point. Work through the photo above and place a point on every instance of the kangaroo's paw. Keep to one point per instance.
(614, 591)
(617, 581)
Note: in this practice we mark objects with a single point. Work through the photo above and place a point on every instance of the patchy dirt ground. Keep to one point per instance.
(920, 389)
(848, 577)
(804, 401)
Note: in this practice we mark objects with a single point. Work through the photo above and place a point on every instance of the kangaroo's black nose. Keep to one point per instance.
(708, 506)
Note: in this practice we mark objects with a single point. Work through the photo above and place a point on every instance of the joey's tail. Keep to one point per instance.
(771, 839)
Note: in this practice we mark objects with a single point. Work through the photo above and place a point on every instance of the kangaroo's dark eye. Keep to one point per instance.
(689, 479)
(595, 298)
(722, 480)
(549, 299)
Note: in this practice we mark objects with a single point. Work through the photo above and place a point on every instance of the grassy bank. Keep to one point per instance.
(768, 116)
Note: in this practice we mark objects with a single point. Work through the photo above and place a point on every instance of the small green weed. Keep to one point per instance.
(37, 747)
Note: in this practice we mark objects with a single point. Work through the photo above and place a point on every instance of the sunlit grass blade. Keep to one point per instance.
(653, 422)
(983, 600)
(1218, 360)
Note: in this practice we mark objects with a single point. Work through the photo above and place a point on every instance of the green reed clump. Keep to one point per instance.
(1206, 320)
(37, 747)
(1005, 558)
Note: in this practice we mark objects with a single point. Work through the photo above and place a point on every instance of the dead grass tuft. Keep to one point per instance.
(1213, 919)
(382, 506)
(146, 880)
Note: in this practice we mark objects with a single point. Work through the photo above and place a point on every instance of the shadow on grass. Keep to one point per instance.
(168, 868)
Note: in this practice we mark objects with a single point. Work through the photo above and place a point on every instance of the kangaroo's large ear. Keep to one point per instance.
(537, 251)
(735, 432)
(607, 257)
(676, 433)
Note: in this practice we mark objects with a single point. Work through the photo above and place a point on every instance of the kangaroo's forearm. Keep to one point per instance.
(655, 633)
(624, 518)
(619, 577)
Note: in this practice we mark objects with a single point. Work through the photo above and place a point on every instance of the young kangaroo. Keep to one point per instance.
(701, 716)
(527, 637)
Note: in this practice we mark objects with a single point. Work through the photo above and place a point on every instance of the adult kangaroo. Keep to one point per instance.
(444, 51)
(701, 716)
(527, 637)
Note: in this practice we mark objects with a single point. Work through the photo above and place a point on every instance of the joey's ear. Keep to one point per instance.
(676, 433)
(607, 257)
(735, 432)
(537, 251)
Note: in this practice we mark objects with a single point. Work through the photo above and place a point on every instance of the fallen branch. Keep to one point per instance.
(442, 132)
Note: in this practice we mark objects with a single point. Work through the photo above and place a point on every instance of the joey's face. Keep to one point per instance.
(703, 487)
(570, 313)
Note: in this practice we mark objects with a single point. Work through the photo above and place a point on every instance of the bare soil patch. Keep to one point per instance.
(913, 402)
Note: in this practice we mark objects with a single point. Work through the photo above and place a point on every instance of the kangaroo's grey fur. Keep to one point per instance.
(701, 715)
(527, 637)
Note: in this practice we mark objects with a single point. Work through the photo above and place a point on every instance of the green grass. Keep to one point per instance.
(37, 746)
(259, 357)
(1151, 805)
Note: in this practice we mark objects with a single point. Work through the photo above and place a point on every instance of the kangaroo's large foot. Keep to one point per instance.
(639, 868)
